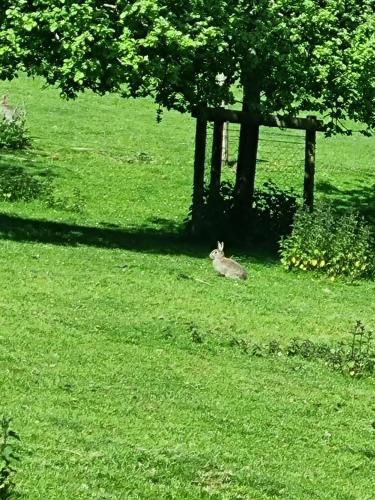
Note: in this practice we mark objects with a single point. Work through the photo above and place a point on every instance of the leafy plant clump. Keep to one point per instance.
(8, 457)
(14, 134)
(270, 217)
(74, 203)
(17, 184)
(354, 356)
(326, 241)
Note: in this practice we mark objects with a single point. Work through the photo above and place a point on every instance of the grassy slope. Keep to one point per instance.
(112, 397)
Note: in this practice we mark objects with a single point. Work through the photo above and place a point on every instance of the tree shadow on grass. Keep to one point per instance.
(168, 238)
(30, 180)
(361, 198)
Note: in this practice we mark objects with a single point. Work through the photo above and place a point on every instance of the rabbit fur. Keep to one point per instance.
(10, 113)
(226, 267)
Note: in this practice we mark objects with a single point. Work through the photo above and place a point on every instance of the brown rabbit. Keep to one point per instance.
(226, 267)
(10, 113)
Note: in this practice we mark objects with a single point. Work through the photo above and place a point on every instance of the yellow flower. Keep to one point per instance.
(322, 263)
(314, 262)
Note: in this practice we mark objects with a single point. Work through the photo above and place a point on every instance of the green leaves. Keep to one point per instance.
(306, 54)
(14, 134)
(325, 241)
(8, 455)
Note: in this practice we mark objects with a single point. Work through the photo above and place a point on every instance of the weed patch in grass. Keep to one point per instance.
(354, 356)
(18, 184)
(8, 458)
(75, 202)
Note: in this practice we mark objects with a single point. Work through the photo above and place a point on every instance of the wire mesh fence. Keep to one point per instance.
(281, 156)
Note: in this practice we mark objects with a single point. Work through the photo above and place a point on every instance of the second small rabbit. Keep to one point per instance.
(226, 267)
(10, 113)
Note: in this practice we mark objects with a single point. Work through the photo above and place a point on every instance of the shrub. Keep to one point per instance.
(271, 215)
(8, 457)
(74, 203)
(273, 212)
(14, 133)
(16, 184)
(325, 241)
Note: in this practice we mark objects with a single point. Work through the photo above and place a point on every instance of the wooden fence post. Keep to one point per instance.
(225, 145)
(216, 158)
(309, 179)
(199, 164)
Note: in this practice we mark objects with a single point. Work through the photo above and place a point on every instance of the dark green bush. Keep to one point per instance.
(8, 458)
(329, 242)
(269, 218)
(17, 184)
(20, 184)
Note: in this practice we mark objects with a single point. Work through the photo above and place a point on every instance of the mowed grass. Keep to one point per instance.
(115, 355)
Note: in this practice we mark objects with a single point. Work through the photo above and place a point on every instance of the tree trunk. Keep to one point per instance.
(247, 154)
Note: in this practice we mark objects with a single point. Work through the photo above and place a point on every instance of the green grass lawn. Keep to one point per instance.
(115, 355)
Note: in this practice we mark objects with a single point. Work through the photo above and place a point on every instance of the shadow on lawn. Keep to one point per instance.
(31, 181)
(360, 198)
(168, 238)
(164, 240)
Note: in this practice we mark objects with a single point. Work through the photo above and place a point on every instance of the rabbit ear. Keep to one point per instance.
(220, 246)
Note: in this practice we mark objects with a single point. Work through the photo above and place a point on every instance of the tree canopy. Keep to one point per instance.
(286, 55)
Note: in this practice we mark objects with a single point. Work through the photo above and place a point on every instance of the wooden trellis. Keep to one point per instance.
(222, 116)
